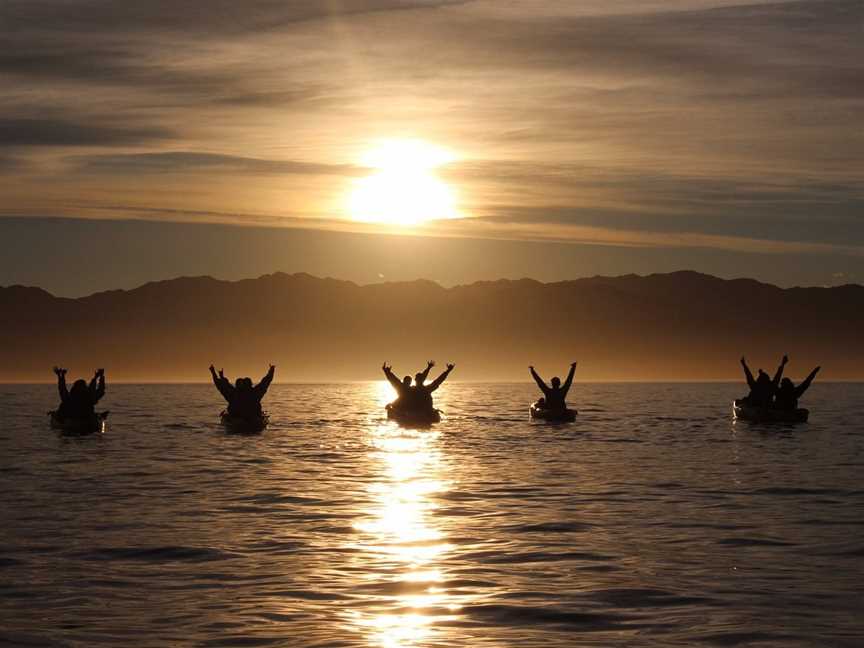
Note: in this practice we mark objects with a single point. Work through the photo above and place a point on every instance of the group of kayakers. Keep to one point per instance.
(414, 401)
(776, 393)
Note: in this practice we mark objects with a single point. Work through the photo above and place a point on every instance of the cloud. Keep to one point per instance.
(57, 132)
(214, 18)
(9, 163)
(685, 118)
(195, 162)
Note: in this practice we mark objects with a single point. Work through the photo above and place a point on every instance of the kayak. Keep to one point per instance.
(768, 414)
(242, 425)
(89, 425)
(552, 416)
(418, 417)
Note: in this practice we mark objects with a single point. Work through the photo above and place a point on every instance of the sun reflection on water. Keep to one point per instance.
(400, 540)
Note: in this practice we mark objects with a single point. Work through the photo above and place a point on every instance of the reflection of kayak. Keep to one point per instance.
(89, 425)
(416, 417)
(553, 416)
(768, 414)
(244, 425)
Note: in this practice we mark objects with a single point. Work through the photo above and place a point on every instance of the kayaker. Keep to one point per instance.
(763, 388)
(554, 397)
(80, 401)
(788, 394)
(244, 399)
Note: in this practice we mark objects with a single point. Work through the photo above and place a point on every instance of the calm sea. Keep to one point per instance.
(651, 521)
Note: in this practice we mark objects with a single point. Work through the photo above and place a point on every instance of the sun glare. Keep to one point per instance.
(404, 189)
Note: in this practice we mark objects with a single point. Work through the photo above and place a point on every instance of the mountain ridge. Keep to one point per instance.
(663, 326)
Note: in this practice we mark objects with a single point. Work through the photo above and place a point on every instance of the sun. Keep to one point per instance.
(404, 188)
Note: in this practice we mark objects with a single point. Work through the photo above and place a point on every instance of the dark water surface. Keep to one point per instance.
(651, 521)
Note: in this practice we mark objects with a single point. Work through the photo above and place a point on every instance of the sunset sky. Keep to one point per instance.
(393, 139)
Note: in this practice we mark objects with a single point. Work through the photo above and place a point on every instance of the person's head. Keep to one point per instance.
(762, 376)
(247, 383)
(556, 382)
(78, 387)
(238, 384)
(786, 384)
(406, 381)
(419, 379)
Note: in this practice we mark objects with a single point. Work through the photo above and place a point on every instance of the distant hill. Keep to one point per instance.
(682, 325)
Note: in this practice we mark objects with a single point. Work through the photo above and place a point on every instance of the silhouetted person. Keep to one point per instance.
(762, 389)
(422, 393)
(554, 397)
(244, 399)
(79, 402)
(788, 394)
(403, 388)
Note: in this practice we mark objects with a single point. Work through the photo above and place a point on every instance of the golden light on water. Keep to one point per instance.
(404, 188)
(399, 531)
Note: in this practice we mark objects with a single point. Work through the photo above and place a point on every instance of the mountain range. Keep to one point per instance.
(677, 326)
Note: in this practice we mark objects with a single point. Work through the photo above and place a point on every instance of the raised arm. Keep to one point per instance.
(261, 387)
(569, 380)
(225, 388)
(800, 389)
(542, 385)
(779, 374)
(440, 379)
(393, 380)
(61, 384)
(425, 372)
(97, 386)
(748, 374)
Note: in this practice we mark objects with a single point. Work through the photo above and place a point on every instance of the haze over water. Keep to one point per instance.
(654, 520)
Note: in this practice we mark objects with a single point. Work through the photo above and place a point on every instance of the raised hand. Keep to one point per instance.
(573, 364)
(100, 372)
(430, 363)
(743, 361)
(385, 367)
(450, 366)
(785, 359)
(221, 373)
(531, 367)
(272, 367)
(59, 371)
(212, 369)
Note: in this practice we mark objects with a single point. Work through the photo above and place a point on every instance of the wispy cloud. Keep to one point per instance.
(57, 132)
(682, 123)
(189, 162)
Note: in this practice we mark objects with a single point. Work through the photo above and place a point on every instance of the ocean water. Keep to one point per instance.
(654, 520)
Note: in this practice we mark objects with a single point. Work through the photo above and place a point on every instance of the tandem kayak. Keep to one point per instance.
(768, 414)
(89, 425)
(240, 425)
(552, 416)
(416, 417)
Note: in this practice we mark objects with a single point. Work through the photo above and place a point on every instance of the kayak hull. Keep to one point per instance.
(743, 412)
(244, 426)
(92, 425)
(418, 418)
(552, 416)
